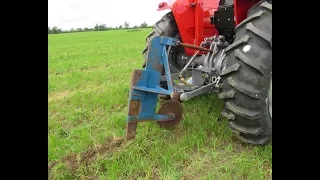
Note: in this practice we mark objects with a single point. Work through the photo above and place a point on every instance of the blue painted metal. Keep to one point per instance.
(157, 90)
(145, 117)
(167, 69)
(145, 83)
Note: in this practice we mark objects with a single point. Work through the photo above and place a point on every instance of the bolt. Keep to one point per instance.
(172, 116)
(221, 38)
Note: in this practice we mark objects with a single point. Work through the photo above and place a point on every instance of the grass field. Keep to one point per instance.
(89, 77)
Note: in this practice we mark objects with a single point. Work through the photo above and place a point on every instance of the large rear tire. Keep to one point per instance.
(166, 26)
(247, 77)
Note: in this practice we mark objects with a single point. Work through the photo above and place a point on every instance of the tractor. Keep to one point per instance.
(208, 46)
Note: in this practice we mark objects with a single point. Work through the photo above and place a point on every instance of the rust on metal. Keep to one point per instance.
(158, 67)
(134, 107)
(176, 96)
(195, 47)
(171, 107)
(135, 77)
(131, 130)
(155, 64)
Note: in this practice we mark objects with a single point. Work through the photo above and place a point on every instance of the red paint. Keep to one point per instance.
(193, 21)
(163, 4)
(199, 23)
(241, 8)
(192, 28)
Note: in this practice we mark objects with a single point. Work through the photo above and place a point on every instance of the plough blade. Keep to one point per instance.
(145, 88)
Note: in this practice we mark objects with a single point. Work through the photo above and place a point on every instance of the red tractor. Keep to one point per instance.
(223, 46)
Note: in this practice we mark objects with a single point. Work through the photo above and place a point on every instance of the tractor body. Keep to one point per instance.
(194, 17)
(205, 46)
(193, 20)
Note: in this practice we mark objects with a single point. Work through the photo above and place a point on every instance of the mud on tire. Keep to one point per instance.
(247, 77)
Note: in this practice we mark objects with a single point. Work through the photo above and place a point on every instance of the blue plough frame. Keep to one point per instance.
(145, 85)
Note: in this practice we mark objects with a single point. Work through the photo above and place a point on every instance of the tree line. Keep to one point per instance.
(97, 27)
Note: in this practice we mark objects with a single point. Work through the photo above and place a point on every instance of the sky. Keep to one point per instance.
(67, 14)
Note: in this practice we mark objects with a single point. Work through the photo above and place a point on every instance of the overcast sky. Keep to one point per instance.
(67, 14)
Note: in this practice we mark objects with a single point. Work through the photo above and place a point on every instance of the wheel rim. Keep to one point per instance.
(174, 54)
(270, 99)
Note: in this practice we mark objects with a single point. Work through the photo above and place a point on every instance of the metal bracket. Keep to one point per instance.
(202, 90)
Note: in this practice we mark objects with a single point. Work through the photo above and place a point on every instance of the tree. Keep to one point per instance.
(135, 27)
(126, 24)
(120, 27)
(49, 30)
(96, 27)
(55, 30)
(79, 29)
(144, 25)
(86, 29)
(102, 27)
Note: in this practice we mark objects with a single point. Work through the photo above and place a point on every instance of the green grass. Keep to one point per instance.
(89, 77)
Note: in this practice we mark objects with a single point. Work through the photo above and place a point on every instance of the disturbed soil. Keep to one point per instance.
(73, 161)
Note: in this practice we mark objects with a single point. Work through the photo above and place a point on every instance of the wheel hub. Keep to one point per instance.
(176, 57)
(172, 107)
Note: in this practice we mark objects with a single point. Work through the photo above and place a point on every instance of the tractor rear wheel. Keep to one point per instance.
(166, 26)
(247, 77)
